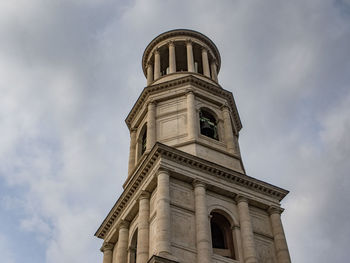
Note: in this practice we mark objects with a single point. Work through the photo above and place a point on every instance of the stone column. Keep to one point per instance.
(163, 214)
(278, 235)
(143, 228)
(191, 116)
(151, 125)
(122, 245)
(203, 236)
(172, 58)
(190, 59)
(247, 235)
(228, 129)
(132, 150)
(214, 70)
(149, 73)
(205, 63)
(107, 249)
(156, 64)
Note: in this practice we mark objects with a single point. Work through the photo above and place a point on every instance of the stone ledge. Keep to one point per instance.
(158, 259)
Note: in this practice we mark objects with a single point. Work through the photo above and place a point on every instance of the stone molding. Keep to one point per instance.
(158, 259)
(196, 82)
(107, 246)
(162, 151)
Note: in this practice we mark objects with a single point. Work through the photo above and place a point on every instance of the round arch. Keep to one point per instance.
(225, 212)
(224, 241)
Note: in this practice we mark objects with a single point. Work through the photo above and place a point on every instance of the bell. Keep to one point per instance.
(207, 130)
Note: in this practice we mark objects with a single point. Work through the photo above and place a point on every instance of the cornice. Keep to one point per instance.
(222, 172)
(162, 151)
(190, 79)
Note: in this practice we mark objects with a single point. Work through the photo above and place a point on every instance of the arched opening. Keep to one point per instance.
(208, 124)
(142, 141)
(221, 236)
(133, 248)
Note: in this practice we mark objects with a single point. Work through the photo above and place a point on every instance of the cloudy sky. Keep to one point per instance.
(70, 71)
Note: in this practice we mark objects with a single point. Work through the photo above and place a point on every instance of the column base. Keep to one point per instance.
(158, 259)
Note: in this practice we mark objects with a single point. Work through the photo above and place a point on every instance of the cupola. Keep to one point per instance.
(178, 53)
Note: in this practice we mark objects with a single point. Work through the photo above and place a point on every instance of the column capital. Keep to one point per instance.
(214, 61)
(189, 91)
(205, 49)
(162, 170)
(225, 107)
(152, 103)
(241, 198)
(198, 183)
(133, 129)
(149, 63)
(188, 41)
(124, 224)
(107, 246)
(156, 50)
(171, 43)
(235, 226)
(275, 210)
(144, 195)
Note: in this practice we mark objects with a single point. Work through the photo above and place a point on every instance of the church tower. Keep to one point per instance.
(187, 197)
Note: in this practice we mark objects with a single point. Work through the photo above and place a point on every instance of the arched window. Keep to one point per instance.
(208, 124)
(133, 248)
(142, 141)
(221, 236)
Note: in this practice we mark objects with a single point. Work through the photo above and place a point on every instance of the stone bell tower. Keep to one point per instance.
(187, 197)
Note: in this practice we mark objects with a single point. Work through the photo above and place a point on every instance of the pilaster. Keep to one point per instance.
(163, 214)
(122, 245)
(143, 228)
(278, 235)
(247, 235)
(107, 249)
(203, 239)
(151, 125)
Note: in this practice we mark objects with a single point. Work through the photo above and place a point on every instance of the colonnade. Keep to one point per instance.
(210, 68)
(243, 233)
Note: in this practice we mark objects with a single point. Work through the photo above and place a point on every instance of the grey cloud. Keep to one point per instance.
(73, 71)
